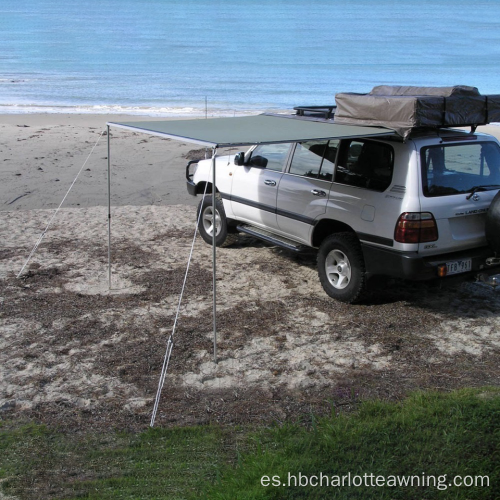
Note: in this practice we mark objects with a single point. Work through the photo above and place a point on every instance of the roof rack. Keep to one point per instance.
(326, 112)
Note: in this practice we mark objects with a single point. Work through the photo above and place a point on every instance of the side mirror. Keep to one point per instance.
(258, 161)
(239, 158)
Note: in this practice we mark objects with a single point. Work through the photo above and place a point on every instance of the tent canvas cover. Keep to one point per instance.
(406, 108)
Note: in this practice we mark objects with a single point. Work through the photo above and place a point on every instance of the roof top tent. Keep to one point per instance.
(406, 109)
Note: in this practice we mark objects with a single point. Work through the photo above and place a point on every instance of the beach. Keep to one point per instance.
(41, 154)
(75, 353)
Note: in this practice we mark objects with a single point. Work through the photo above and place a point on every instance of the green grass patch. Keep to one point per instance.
(36, 462)
(428, 434)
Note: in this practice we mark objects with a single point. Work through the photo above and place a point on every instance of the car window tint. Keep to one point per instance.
(314, 159)
(307, 158)
(272, 156)
(366, 164)
(328, 165)
(459, 168)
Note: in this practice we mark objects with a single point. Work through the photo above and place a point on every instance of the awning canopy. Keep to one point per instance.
(249, 130)
(224, 132)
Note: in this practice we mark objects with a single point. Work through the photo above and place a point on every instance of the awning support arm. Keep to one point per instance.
(109, 212)
(214, 252)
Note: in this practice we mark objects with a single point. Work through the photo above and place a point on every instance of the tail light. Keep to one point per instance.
(416, 227)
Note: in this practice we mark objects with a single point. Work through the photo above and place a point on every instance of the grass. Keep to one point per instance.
(436, 434)
(37, 462)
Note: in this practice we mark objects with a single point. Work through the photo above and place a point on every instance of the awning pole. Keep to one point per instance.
(214, 252)
(109, 212)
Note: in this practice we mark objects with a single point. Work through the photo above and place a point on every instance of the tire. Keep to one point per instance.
(492, 228)
(223, 236)
(341, 267)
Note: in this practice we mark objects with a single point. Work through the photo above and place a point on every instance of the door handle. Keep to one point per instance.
(269, 183)
(317, 192)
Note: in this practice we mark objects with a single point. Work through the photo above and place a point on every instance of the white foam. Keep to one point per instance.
(165, 111)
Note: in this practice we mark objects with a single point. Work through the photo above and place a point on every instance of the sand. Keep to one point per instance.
(75, 353)
(40, 155)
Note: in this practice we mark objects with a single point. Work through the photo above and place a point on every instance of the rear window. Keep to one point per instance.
(459, 168)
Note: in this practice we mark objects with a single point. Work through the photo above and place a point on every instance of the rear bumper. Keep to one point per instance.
(412, 266)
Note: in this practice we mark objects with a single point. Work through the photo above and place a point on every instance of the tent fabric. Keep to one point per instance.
(249, 130)
(457, 90)
(407, 108)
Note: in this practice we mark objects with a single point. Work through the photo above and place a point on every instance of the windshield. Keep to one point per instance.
(460, 168)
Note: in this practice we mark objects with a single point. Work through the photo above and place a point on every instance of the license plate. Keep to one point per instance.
(458, 266)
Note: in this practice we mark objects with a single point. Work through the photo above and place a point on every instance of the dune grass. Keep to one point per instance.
(427, 435)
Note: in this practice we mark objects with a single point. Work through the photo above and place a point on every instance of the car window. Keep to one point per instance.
(459, 168)
(366, 164)
(270, 156)
(315, 159)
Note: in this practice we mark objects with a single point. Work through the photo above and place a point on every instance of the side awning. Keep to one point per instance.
(250, 130)
(225, 132)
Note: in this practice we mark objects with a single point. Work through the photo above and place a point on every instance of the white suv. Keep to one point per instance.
(413, 209)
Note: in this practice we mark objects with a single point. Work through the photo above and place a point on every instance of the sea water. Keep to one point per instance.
(228, 57)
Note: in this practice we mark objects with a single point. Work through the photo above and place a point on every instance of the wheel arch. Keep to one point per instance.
(326, 227)
(200, 188)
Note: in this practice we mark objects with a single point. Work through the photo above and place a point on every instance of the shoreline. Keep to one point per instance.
(81, 119)
(140, 112)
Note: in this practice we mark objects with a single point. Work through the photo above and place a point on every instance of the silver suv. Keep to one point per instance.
(413, 209)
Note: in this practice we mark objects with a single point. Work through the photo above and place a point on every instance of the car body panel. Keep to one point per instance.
(301, 201)
(253, 196)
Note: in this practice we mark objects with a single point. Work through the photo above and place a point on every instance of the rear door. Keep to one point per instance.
(303, 189)
(359, 197)
(459, 181)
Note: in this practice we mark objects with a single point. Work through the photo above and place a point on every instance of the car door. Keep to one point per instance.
(303, 189)
(255, 185)
(364, 172)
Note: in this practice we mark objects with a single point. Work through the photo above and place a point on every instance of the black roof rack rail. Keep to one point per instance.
(326, 112)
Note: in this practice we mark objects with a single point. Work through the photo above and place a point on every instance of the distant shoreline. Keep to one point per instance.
(140, 111)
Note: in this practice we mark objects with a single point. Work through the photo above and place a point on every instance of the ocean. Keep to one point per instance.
(232, 57)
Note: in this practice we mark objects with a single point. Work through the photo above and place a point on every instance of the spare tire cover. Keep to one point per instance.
(493, 224)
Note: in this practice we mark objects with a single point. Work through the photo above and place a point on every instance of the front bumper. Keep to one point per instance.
(412, 266)
(191, 187)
